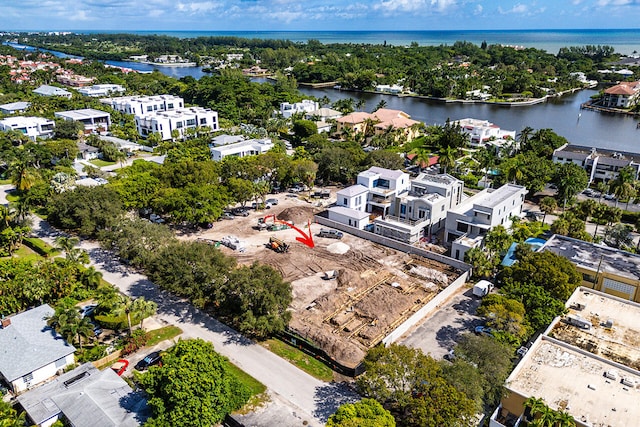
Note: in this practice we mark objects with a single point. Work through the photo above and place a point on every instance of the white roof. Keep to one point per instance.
(348, 212)
(15, 106)
(51, 91)
(352, 191)
(384, 173)
(85, 113)
(20, 121)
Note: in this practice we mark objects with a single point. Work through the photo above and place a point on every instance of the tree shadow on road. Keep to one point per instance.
(330, 397)
(172, 305)
(109, 261)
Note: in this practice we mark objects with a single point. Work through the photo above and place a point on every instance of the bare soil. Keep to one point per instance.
(377, 288)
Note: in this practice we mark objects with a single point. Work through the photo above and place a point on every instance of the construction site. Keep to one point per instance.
(348, 293)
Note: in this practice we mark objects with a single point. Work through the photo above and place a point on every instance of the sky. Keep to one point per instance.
(315, 15)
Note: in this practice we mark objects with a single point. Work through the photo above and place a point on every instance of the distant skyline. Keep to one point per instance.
(315, 15)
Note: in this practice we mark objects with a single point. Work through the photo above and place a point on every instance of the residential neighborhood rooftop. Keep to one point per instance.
(15, 106)
(595, 257)
(384, 173)
(87, 397)
(353, 190)
(592, 373)
(349, 212)
(85, 113)
(27, 343)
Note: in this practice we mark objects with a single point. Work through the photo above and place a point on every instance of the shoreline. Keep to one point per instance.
(589, 106)
(168, 64)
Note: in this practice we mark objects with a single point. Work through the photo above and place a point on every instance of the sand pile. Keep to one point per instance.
(338, 248)
(297, 214)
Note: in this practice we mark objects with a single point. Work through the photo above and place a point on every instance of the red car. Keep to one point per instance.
(120, 366)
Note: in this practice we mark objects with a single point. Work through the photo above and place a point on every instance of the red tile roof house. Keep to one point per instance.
(623, 95)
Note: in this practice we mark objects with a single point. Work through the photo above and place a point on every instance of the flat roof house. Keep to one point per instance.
(46, 90)
(584, 364)
(609, 270)
(144, 105)
(33, 127)
(85, 396)
(94, 121)
(305, 106)
(482, 133)
(165, 122)
(468, 222)
(30, 351)
(101, 90)
(249, 147)
(14, 107)
(600, 164)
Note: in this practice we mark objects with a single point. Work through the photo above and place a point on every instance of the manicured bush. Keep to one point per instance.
(38, 246)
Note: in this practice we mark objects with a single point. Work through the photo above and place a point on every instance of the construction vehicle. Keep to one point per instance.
(278, 245)
(279, 225)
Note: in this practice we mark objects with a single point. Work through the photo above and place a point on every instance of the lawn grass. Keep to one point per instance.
(159, 335)
(100, 163)
(25, 253)
(5, 181)
(300, 359)
(258, 395)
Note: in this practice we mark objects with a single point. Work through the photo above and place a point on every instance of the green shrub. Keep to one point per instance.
(91, 354)
(116, 323)
(137, 340)
(38, 246)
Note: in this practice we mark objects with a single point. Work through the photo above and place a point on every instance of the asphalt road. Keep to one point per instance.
(309, 399)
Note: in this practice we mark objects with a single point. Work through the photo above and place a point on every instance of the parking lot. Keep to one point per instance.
(439, 332)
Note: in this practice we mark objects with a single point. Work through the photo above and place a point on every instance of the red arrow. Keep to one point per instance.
(306, 239)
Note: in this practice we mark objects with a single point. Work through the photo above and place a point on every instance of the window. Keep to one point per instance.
(169, 106)
(178, 125)
(442, 208)
(149, 108)
(462, 227)
(155, 108)
(588, 278)
(344, 202)
(203, 121)
(27, 378)
(421, 213)
(191, 122)
(403, 209)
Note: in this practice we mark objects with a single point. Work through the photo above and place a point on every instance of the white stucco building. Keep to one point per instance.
(101, 90)
(93, 120)
(165, 122)
(239, 148)
(305, 106)
(483, 132)
(468, 223)
(30, 351)
(144, 105)
(33, 127)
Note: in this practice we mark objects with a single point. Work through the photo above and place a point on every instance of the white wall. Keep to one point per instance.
(41, 375)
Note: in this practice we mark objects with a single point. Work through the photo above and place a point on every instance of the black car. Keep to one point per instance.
(149, 360)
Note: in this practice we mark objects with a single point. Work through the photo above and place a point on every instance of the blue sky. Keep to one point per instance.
(282, 15)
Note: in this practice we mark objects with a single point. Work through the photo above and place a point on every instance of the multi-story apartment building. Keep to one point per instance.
(144, 105)
(166, 122)
(600, 164)
(240, 148)
(483, 132)
(94, 121)
(468, 222)
(305, 106)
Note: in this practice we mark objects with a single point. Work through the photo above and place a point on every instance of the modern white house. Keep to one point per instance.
(101, 90)
(305, 106)
(33, 127)
(422, 211)
(348, 216)
(46, 90)
(325, 118)
(353, 197)
(144, 105)
(94, 121)
(469, 222)
(483, 132)
(14, 107)
(85, 396)
(393, 89)
(30, 351)
(181, 119)
(242, 148)
(384, 186)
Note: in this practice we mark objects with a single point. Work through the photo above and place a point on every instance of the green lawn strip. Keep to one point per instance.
(100, 163)
(258, 395)
(25, 253)
(300, 359)
(40, 246)
(165, 333)
(5, 182)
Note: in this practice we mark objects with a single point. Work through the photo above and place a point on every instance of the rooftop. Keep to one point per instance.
(489, 198)
(28, 344)
(441, 179)
(14, 106)
(19, 121)
(582, 152)
(51, 90)
(384, 173)
(349, 212)
(86, 397)
(353, 190)
(85, 113)
(596, 257)
(591, 373)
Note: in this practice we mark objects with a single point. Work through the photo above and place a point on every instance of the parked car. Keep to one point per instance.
(240, 212)
(150, 359)
(273, 202)
(331, 234)
(88, 310)
(120, 366)
(483, 330)
(609, 197)
(296, 189)
(255, 205)
(227, 215)
(97, 330)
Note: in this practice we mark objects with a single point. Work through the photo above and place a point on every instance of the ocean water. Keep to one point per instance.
(625, 41)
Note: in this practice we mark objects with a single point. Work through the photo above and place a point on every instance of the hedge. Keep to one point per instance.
(38, 246)
(116, 323)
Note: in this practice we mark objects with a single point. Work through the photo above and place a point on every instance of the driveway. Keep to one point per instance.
(439, 333)
(311, 400)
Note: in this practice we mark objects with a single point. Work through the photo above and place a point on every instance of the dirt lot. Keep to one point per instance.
(377, 288)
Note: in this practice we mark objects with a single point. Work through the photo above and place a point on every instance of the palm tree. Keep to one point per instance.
(144, 308)
(535, 405)
(125, 306)
(599, 216)
(72, 253)
(486, 158)
(360, 104)
(563, 419)
(23, 177)
(548, 205)
(422, 156)
(91, 277)
(66, 320)
(448, 157)
(382, 104)
(603, 188)
(324, 100)
(523, 137)
(514, 169)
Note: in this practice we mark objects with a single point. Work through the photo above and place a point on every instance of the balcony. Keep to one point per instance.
(379, 200)
(406, 221)
(503, 418)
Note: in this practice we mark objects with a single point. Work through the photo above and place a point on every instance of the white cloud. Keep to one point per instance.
(198, 7)
(81, 15)
(478, 10)
(604, 3)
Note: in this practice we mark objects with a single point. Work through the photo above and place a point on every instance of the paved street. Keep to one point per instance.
(309, 399)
